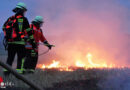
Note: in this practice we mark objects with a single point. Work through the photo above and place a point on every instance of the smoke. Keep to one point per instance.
(78, 27)
(117, 80)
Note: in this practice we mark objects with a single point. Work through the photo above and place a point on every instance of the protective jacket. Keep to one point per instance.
(37, 34)
(14, 29)
(31, 54)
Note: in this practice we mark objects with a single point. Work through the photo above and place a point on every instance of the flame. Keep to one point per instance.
(78, 64)
(54, 64)
(89, 57)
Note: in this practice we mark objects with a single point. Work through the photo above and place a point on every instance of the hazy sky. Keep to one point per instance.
(55, 8)
(76, 25)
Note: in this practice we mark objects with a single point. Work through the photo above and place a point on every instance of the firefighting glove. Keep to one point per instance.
(47, 44)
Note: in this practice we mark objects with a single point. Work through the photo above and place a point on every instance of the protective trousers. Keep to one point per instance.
(18, 49)
(30, 60)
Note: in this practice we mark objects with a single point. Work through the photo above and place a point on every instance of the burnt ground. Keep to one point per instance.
(91, 79)
(76, 85)
(90, 84)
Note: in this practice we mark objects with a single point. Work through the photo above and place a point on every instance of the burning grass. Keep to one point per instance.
(85, 64)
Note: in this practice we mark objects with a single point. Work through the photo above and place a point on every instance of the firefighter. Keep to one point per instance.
(32, 55)
(14, 30)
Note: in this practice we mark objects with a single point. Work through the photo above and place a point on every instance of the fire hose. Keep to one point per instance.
(15, 73)
(45, 51)
(38, 55)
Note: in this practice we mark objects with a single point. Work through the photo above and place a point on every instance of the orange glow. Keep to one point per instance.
(54, 64)
(101, 65)
(78, 64)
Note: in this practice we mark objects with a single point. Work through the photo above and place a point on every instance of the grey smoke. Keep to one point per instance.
(117, 80)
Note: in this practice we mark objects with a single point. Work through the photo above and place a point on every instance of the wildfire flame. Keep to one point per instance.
(89, 56)
(55, 64)
(78, 64)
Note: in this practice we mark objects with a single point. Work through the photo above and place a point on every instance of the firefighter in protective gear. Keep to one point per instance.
(32, 55)
(14, 30)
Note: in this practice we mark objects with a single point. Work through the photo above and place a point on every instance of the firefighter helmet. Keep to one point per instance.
(21, 6)
(38, 19)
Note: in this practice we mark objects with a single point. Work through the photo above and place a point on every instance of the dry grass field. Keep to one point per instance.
(91, 79)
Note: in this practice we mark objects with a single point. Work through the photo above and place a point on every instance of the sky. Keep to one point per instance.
(55, 8)
(77, 27)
